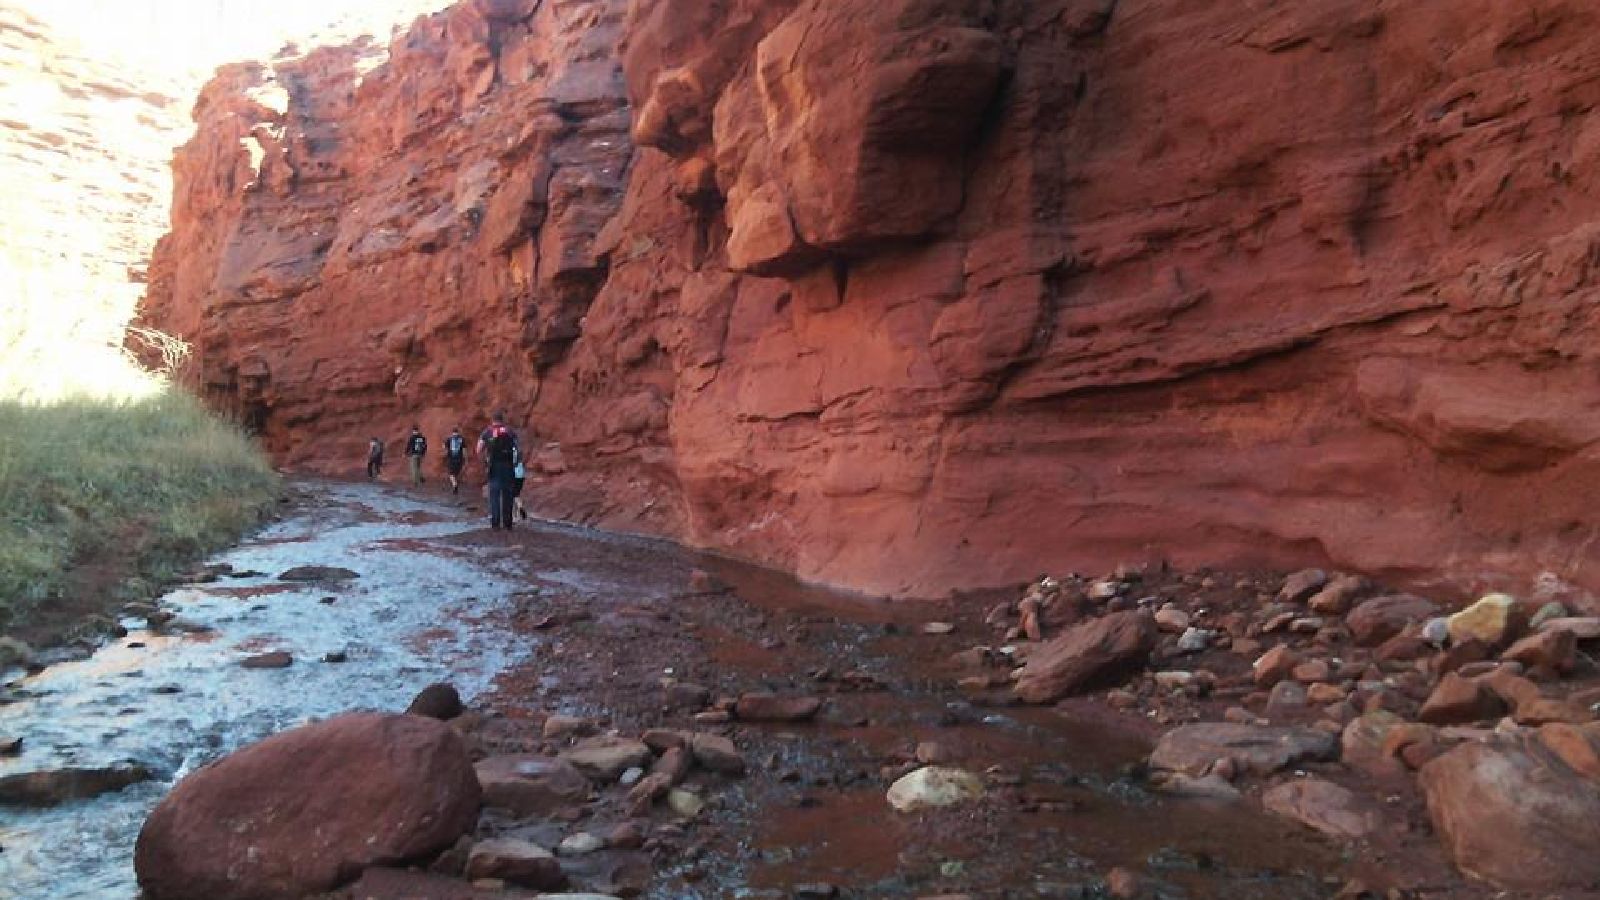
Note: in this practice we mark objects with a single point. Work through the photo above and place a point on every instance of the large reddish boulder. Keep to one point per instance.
(309, 809)
(1091, 651)
(1517, 812)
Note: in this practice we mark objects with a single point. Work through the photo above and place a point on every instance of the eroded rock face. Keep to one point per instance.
(307, 810)
(918, 294)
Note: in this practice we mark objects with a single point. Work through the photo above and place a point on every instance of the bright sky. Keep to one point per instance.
(186, 38)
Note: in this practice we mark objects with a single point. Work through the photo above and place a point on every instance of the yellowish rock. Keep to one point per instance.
(1493, 620)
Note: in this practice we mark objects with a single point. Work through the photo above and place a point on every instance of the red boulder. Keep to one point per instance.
(309, 809)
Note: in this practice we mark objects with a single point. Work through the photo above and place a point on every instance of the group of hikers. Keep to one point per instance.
(500, 449)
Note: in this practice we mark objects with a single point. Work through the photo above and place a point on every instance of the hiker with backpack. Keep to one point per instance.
(374, 458)
(455, 458)
(519, 474)
(416, 449)
(499, 448)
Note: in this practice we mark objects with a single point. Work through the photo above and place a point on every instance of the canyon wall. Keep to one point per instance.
(913, 295)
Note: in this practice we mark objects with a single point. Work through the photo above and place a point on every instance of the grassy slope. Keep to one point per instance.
(134, 489)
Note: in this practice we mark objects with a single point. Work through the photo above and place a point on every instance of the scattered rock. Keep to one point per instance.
(1336, 598)
(1586, 628)
(1259, 750)
(1458, 700)
(336, 656)
(1556, 649)
(1172, 620)
(1436, 631)
(516, 862)
(1313, 671)
(773, 708)
(685, 803)
(1287, 697)
(1514, 816)
(938, 628)
(1323, 806)
(1362, 742)
(531, 785)
(1301, 585)
(560, 726)
(605, 758)
(308, 808)
(1274, 666)
(673, 764)
(717, 754)
(932, 787)
(579, 843)
(437, 701)
(1092, 650)
(1461, 654)
(10, 746)
(56, 786)
(1494, 619)
(1321, 694)
(1195, 640)
(1546, 613)
(1375, 621)
(682, 695)
(277, 659)
(1105, 590)
(317, 573)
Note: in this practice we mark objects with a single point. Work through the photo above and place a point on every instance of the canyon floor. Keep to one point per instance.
(556, 634)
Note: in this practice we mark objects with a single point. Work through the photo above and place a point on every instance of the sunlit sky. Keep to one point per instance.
(186, 39)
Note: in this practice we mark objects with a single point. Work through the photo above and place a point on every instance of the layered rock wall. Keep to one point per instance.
(912, 295)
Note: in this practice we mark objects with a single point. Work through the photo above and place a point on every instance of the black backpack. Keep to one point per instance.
(503, 447)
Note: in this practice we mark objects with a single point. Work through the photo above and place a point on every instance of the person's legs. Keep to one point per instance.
(507, 497)
(416, 469)
(497, 490)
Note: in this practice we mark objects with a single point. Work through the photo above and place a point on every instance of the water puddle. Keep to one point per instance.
(173, 702)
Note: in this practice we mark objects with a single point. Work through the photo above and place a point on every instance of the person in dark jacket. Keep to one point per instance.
(498, 448)
(455, 458)
(416, 449)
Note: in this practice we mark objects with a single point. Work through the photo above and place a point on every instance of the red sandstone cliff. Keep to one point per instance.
(919, 294)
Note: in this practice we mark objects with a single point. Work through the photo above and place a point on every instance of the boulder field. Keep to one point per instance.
(912, 295)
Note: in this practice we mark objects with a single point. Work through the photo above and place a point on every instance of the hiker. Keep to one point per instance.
(455, 458)
(498, 448)
(519, 474)
(416, 449)
(374, 458)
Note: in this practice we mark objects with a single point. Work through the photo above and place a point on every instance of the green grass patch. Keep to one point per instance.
(132, 490)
